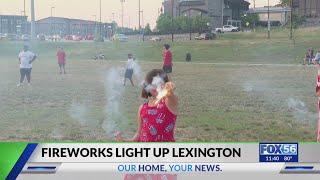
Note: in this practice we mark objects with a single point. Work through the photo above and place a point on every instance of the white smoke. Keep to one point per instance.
(300, 110)
(137, 71)
(79, 112)
(114, 90)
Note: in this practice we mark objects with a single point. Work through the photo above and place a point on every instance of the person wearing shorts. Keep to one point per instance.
(317, 58)
(129, 70)
(26, 58)
(167, 59)
(61, 55)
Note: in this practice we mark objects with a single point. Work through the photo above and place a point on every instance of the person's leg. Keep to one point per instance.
(124, 81)
(64, 68)
(22, 75)
(131, 82)
(60, 67)
(28, 74)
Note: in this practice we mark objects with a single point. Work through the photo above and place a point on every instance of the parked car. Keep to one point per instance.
(41, 37)
(227, 28)
(205, 36)
(77, 38)
(120, 37)
(25, 37)
(156, 39)
(13, 37)
(68, 37)
(89, 37)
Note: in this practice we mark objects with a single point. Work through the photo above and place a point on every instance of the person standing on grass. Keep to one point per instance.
(129, 70)
(26, 58)
(156, 119)
(167, 59)
(317, 57)
(61, 55)
(308, 57)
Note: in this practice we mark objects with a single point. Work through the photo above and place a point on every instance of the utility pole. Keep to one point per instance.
(172, 33)
(32, 21)
(291, 20)
(254, 4)
(269, 19)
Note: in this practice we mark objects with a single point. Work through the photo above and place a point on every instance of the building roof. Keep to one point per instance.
(66, 19)
(6, 15)
(271, 9)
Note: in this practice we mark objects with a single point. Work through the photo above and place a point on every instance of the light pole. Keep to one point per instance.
(122, 12)
(51, 15)
(142, 25)
(222, 12)
(24, 7)
(190, 33)
(172, 36)
(291, 20)
(269, 19)
(32, 20)
(139, 15)
(100, 21)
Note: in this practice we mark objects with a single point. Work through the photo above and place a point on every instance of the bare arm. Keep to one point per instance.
(33, 59)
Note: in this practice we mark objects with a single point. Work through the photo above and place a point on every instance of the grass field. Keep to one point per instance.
(229, 100)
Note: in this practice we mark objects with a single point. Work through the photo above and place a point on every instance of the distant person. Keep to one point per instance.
(61, 55)
(317, 57)
(308, 57)
(129, 70)
(167, 59)
(26, 58)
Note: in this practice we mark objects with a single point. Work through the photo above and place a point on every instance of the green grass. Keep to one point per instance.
(218, 103)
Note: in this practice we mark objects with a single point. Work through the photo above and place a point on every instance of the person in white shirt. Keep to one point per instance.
(26, 58)
(317, 57)
(129, 69)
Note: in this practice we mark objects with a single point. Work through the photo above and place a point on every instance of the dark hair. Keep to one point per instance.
(167, 46)
(149, 78)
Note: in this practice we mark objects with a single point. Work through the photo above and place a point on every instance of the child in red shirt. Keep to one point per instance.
(156, 118)
(167, 59)
(61, 55)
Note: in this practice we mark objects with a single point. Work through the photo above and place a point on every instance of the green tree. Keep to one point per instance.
(164, 24)
(285, 2)
(147, 29)
(250, 20)
(199, 23)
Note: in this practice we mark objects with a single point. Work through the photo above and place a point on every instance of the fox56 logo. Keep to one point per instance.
(278, 149)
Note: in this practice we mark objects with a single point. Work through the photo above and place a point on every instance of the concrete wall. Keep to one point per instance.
(282, 17)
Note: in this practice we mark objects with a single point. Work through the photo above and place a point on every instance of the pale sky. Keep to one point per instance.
(86, 9)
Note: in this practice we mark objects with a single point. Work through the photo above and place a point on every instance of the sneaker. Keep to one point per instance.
(19, 85)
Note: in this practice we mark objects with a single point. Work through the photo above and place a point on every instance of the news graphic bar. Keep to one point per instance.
(79, 160)
(40, 168)
(301, 168)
